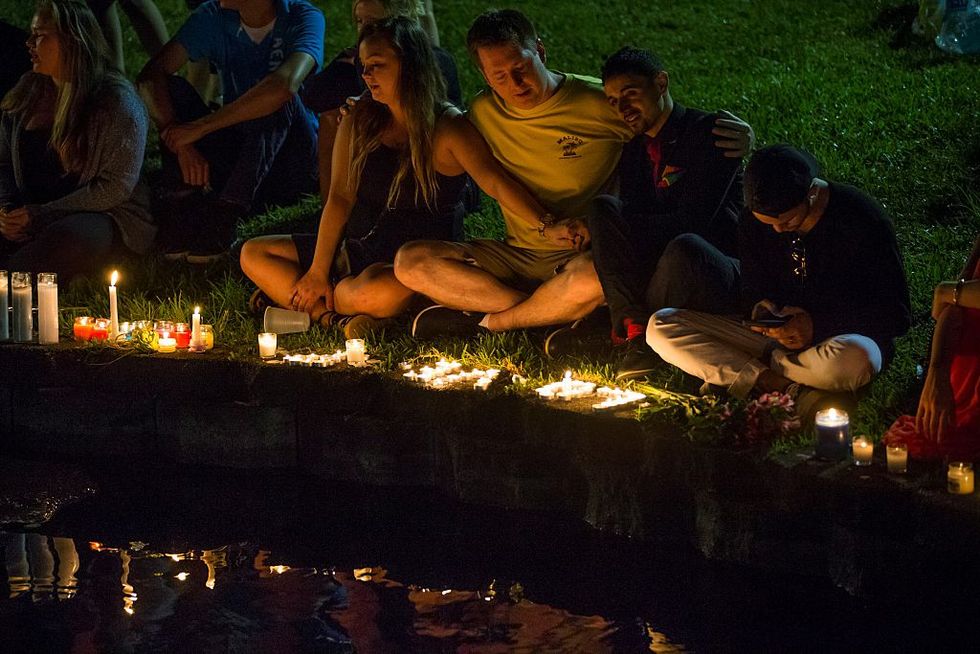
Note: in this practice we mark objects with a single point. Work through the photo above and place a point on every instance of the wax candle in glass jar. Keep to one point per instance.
(959, 478)
(207, 333)
(82, 329)
(182, 335)
(100, 329)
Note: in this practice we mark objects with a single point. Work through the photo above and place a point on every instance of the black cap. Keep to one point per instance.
(777, 179)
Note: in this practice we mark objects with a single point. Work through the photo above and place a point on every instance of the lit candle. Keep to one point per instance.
(207, 333)
(47, 308)
(267, 345)
(897, 456)
(4, 307)
(356, 355)
(23, 319)
(833, 431)
(113, 305)
(959, 478)
(862, 449)
(196, 343)
(566, 384)
(167, 344)
(100, 329)
(182, 335)
(82, 329)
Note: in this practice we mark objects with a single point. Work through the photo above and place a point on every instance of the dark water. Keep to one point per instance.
(224, 562)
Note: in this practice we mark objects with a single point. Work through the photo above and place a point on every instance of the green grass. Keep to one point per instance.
(843, 79)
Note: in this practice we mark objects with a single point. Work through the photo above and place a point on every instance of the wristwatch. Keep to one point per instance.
(544, 222)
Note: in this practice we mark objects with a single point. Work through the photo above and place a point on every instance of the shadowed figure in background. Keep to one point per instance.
(72, 138)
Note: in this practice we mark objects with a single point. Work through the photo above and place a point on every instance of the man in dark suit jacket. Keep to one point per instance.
(676, 217)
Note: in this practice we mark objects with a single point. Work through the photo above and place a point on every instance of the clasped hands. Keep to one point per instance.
(795, 334)
(15, 224)
(179, 139)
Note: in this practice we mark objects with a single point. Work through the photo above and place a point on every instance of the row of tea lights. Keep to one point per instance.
(354, 354)
(569, 388)
(833, 433)
(448, 373)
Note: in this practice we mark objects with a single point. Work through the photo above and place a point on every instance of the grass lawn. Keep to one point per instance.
(880, 109)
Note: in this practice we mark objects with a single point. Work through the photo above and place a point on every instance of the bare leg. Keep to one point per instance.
(147, 22)
(375, 292)
(571, 294)
(272, 263)
(439, 270)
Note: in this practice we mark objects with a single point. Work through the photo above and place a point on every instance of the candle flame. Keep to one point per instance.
(114, 278)
(832, 413)
(568, 374)
(181, 576)
(197, 310)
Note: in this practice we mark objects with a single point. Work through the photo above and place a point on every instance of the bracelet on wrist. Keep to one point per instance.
(957, 290)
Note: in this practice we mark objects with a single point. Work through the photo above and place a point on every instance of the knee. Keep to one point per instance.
(683, 252)
(657, 328)
(411, 258)
(855, 362)
(253, 251)
(582, 285)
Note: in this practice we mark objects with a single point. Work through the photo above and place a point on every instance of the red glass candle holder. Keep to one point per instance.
(82, 329)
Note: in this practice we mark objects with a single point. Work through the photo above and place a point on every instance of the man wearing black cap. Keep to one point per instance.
(822, 279)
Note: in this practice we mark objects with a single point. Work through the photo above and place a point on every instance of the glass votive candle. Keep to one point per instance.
(356, 355)
(833, 432)
(897, 456)
(161, 326)
(182, 334)
(267, 344)
(959, 478)
(82, 329)
(100, 329)
(207, 333)
(862, 448)
(166, 342)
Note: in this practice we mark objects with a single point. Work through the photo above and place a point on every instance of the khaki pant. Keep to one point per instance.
(723, 352)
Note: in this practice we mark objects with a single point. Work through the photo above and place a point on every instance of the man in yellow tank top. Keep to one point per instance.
(557, 134)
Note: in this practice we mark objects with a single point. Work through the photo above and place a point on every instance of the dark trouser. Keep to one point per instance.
(267, 161)
(641, 271)
(73, 245)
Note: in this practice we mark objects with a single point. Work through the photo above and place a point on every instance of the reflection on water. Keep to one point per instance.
(91, 596)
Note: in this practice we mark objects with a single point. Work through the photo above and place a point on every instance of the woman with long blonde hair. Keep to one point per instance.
(72, 137)
(399, 169)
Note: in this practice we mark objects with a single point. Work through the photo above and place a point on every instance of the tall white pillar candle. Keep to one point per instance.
(196, 328)
(20, 283)
(113, 306)
(4, 307)
(47, 308)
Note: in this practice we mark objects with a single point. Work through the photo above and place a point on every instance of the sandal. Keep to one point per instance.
(259, 302)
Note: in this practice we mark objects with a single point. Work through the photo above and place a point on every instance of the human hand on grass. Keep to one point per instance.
(737, 135)
(936, 406)
(309, 289)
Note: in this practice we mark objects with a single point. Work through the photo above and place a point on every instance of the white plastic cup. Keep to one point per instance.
(284, 321)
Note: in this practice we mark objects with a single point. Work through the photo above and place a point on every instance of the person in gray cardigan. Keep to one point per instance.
(72, 138)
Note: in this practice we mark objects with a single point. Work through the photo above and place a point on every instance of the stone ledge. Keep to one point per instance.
(870, 533)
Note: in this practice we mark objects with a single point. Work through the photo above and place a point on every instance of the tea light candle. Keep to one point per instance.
(23, 318)
(897, 456)
(959, 478)
(4, 307)
(113, 305)
(833, 431)
(182, 335)
(167, 344)
(82, 329)
(862, 449)
(207, 333)
(267, 345)
(356, 355)
(100, 329)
